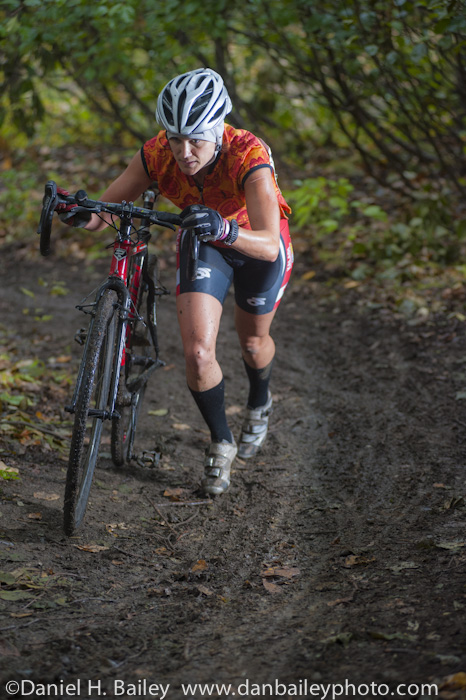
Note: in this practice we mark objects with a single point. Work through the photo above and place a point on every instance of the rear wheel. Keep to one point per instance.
(133, 381)
(91, 405)
(124, 428)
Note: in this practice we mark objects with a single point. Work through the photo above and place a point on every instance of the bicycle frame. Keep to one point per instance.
(125, 253)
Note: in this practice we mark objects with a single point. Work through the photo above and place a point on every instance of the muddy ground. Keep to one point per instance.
(338, 555)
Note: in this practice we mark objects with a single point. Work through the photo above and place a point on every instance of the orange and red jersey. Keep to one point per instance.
(223, 188)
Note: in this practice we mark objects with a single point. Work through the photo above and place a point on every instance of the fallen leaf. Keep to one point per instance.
(271, 587)
(283, 572)
(94, 548)
(308, 275)
(181, 426)
(175, 494)
(200, 565)
(403, 565)
(44, 496)
(111, 527)
(452, 503)
(14, 595)
(162, 551)
(158, 412)
(450, 545)
(233, 410)
(340, 601)
(204, 590)
(455, 682)
(8, 472)
(35, 516)
(63, 359)
(357, 560)
(158, 591)
(447, 659)
(342, 638)
(389, 637)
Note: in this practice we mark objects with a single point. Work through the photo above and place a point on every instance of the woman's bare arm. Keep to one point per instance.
(263, 240)
(128, 186)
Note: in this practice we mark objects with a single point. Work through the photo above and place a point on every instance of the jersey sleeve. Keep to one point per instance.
(144, 162)
(255, 156)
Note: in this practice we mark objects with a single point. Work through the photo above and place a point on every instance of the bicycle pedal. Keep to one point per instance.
(160, 291)
(149, 459)
(142, 361)
(81, 336)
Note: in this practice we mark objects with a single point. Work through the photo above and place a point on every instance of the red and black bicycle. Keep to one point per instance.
(121, 349)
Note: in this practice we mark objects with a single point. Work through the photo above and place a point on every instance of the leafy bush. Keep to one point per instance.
(367, 237)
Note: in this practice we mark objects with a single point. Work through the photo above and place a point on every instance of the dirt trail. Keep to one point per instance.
(337, 556)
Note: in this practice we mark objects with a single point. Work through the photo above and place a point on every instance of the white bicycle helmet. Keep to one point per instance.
(194, 104)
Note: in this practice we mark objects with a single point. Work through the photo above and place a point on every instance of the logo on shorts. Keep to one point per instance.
(289, 258)
(203, 273)
(257, 301)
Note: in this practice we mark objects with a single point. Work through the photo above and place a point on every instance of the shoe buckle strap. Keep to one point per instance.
(255, 428)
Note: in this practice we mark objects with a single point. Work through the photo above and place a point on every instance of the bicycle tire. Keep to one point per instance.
(93, 394)
(124, 429)
(129, 402)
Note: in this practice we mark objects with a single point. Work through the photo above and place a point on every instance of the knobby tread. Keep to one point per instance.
(97, 367)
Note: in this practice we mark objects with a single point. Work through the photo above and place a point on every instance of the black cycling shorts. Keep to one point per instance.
(258, 285)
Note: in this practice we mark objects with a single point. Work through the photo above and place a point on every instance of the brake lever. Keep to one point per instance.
(45, 224)
(193, 256)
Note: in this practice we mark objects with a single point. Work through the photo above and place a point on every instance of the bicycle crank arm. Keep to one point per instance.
(104, 415)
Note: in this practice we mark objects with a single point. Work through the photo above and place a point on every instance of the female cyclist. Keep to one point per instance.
(223, 180)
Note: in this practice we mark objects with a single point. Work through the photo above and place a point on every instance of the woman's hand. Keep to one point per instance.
(66, 212)
(207, 223)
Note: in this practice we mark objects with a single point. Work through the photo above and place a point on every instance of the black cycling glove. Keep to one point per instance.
(207, 223)
(66, 214)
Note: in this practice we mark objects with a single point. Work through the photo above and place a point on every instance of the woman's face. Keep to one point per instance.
(192, 155)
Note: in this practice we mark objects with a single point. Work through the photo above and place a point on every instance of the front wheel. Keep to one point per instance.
(91, 406)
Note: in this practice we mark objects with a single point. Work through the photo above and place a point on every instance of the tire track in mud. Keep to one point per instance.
(347, 501)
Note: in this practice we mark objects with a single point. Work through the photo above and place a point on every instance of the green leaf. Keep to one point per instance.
(375, 212)
(7, 577)
(15, 595)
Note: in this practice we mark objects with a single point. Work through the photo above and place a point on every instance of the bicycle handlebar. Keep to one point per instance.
(125, 210)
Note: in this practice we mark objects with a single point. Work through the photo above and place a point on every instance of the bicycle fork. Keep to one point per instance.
(123, 310)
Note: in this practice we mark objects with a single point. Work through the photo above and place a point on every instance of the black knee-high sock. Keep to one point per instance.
(211, 404)
(258, 384)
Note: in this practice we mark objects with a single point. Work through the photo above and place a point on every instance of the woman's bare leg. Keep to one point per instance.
(199, 319)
